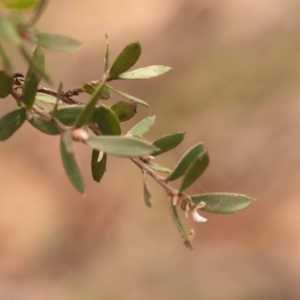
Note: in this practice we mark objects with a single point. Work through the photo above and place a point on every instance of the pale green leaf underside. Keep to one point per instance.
(145, 73)
(121, 146)
(141, 128)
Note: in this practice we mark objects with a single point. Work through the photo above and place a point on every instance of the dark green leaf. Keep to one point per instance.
(222, 203)
(33, 79)
(179, 225)
(88, 111)
(141, 128)
(106, 57)
(124, 110)
(168, 142)
(46, 98)
(158, 168)
(121, 146)
(6, 84)
(4, 59)
(9, 32)
(44, 125)
(19, 4)
(98, 165)
(68, 115)
(11, 122)
(186, 160)
(57, 42)
(108, 121)
(145, 73)
(195, 170)
(69, 161)
(147, 192)
(132, 98)
(126, 59)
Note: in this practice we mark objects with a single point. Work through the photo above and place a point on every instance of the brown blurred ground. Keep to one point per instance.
(235, 86)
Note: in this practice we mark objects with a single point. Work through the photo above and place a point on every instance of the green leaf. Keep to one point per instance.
(5, 60)
(106, 56)
(168, 142)
(158, 168)
(222, 203)
(44, 125)
(124, 110)
(141, 128)
(121, 146)
(36, 68)
(68, 115)
(69, 162)
(9, 31)
(57, 42)
(90, 89)
(126, 59)
(19, 4)
(88, 111)
(98, 165)
(33, 79)
(195, 170)
(186, 160)
(108, 121)
(11, 122)
(147, 192)
(46, 98)
(6, 84)
(132, 98)
(145, 73)
(179, 225)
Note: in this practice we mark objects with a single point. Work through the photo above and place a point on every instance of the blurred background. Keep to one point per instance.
(235, 86)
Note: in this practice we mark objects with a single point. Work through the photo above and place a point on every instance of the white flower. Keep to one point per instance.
(197, 217)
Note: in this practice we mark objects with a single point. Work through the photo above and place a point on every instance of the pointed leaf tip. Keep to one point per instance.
(145, 73)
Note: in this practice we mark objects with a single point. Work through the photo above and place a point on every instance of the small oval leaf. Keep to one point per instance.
(179, 225)
(57, 42)
(186, 160)
(222, 203)
(195, 170)
(121, 146)
(44, 125)
(145, 73)
(126, 59)
(132, 98)
(141, 128)
(11, 122)
(124, 110)
(69, 162)
(147, 192)
(108, 121)
(168, 142)
(98, 165)
(6, 84)
(33, 79)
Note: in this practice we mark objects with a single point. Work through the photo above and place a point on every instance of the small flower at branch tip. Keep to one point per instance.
(197, 217)
(80, 135)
